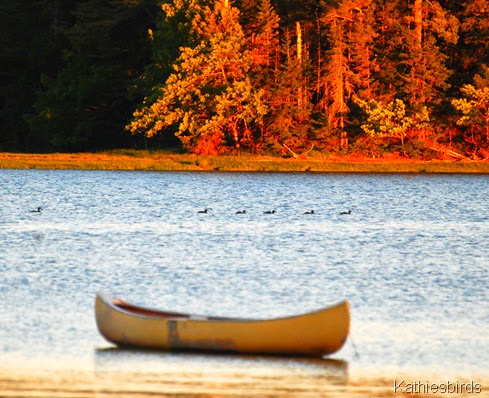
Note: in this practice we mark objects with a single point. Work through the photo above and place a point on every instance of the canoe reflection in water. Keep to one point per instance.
(137, 373)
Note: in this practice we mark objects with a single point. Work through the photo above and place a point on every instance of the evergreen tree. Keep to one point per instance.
(247, 16)
(279, 75)
(473, 48)
(425, 61)
(86, 105)
(411, 46)
(337, 77)
(209, 96)
(263, 42)
(264, 47)
(287, 125)
(475, 109)
(390, 120)
(30, 45)
(361, 39)
(171, 32)
(388, 48)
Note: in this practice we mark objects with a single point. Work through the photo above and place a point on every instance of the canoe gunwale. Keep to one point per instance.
(149, 313)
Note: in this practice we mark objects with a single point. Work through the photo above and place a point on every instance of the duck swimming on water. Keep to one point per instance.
(346, 212)
(38, 210)
(202, 211)
(241, 212)
(309, 212)
(269, 212)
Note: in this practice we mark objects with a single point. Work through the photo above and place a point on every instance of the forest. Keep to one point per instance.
(375, 78)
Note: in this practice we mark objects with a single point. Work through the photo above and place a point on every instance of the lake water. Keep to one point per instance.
(412, 259)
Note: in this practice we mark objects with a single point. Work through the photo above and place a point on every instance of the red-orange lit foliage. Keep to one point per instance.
(210, 145)
(258, 81)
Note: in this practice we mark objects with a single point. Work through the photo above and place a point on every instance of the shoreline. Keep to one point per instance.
(159, 161)
(267, 378)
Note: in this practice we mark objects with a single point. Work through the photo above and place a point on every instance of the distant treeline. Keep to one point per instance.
(372, 77)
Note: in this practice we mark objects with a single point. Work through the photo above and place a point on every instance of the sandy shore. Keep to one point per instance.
(256, 378)
(136, 385)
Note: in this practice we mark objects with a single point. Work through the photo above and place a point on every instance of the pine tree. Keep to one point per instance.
(410, 47)
(361, 39)
(31, 44)
(425, 60)
(475, 109)
(388, 48)
(169, 34)
(288, 124)
(264, 47)
(247, 16)
(86, 105)
(263, 38)
(209, 97)
(390, 120)
(473, 48)
(337, 82)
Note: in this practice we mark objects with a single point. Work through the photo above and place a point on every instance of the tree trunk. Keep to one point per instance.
(234, 128)
(487, 130)
(418, 24)
(341, 93)
(318, 83)
(344, 140)
(418, 49)
(299, 59)
(299, 42)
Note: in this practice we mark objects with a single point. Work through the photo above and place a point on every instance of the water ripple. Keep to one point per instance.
(412, 258)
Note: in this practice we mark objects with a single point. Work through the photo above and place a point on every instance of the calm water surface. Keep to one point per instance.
(412, 259)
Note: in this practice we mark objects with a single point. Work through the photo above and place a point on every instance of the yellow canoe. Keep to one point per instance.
(316, 333)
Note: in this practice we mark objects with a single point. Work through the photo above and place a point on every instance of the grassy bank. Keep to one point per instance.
(160, 161)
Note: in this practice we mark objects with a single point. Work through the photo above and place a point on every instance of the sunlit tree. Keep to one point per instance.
(264, 40)
(350, 61)
(473, 48)
(361, 40)
(475, 108)
(209, 96)
(288, 122)
(432, 28)
(391, 119)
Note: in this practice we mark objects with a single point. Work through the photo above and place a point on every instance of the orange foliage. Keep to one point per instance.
(210, 145)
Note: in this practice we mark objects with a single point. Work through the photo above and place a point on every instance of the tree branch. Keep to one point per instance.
(298, 155)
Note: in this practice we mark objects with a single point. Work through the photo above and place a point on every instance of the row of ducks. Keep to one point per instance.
(205, 211)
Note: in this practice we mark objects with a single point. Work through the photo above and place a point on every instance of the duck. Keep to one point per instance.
(241, 212)
(346, 212)
(309, 212)
(202, 211)
(270, 212)
(38, 210)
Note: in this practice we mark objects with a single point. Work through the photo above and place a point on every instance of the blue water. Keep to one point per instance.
(412, 258)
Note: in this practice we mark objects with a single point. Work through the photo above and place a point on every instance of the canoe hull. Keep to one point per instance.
(314, 334)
